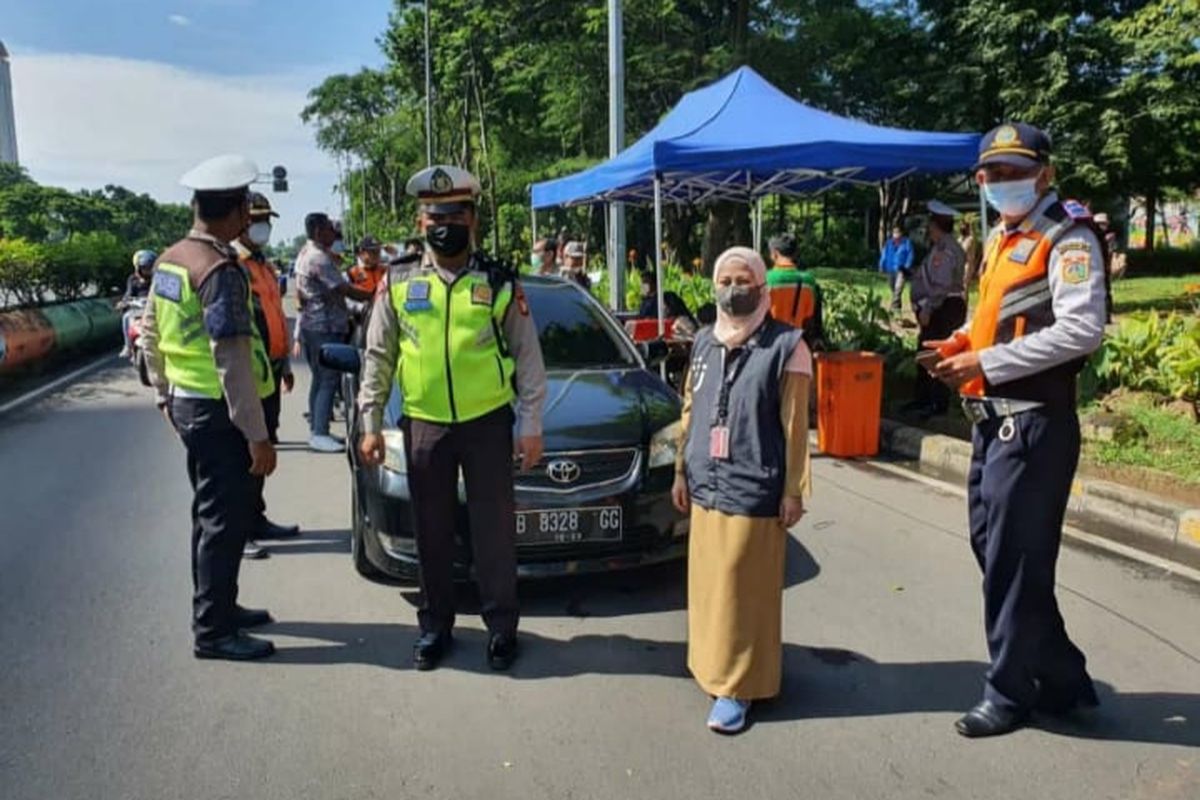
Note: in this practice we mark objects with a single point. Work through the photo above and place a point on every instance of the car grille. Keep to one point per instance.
(595, 468)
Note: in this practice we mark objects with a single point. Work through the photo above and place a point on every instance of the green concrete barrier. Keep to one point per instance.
(31, 335)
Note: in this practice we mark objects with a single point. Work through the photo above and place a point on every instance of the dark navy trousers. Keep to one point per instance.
(1017, 493)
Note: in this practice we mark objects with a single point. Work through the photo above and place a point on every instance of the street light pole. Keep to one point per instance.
(616, 143)
(428, 93)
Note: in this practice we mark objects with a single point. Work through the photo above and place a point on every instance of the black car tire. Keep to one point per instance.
(358, 554)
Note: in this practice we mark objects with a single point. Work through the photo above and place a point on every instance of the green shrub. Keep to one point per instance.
(858, 318)
(1164, 261)
(694, 290)
(1150, 353)
(24, 278)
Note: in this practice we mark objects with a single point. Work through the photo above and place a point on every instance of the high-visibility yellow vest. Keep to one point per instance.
(454, 364)
(183, 340)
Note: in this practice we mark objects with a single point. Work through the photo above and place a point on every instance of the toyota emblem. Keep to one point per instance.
(563, 471)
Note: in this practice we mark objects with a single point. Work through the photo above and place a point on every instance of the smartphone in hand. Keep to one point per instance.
(928, 359)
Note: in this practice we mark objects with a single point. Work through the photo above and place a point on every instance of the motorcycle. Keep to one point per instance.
(133, 330)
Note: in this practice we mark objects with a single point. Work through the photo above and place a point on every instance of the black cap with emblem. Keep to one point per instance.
(1015, 144)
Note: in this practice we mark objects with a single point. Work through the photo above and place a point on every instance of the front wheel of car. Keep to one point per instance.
(358, 555)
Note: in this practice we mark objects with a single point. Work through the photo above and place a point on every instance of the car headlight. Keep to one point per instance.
(664, 445)
(393, 452)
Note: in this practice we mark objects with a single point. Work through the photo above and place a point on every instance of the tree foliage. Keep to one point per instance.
(521, 93)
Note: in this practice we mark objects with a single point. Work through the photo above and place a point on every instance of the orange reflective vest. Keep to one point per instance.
(368, 279)
(264, 284)
(1015, 300)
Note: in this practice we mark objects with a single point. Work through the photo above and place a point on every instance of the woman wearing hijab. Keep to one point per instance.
(743, 472)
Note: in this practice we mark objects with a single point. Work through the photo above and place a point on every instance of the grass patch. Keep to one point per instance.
(1171, 443)
(1132, 295)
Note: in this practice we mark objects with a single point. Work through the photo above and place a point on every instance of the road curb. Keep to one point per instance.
(1118, 507)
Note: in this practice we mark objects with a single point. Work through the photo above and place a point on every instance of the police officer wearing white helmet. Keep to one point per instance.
(210, 369)
(456, 335)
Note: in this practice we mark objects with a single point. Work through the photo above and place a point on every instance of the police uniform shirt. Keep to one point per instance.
(940, 275)
(383, 348)
(1079, 300)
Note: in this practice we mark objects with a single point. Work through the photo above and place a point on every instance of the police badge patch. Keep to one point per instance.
(1076, 267)
(440, 182)
(1023, 250)
(168, 286)
(417, 297)
(481, 294)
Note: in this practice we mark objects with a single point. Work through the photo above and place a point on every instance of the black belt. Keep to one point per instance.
(981, 410)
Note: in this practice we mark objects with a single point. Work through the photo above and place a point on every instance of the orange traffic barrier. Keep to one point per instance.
(849, 397)
(25, 336)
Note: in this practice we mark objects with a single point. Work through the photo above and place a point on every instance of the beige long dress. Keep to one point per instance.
(735, 574)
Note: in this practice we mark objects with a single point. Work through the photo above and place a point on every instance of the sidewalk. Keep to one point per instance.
(1111, 510)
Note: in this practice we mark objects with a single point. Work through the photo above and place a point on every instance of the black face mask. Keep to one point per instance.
(448, 240)
(738, 301)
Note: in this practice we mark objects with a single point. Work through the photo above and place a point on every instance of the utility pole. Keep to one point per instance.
(616, 143)
(428, 92)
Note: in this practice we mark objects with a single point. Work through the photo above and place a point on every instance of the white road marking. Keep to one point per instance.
(54, 385)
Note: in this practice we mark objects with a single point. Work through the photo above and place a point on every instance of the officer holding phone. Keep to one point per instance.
(1042, 309)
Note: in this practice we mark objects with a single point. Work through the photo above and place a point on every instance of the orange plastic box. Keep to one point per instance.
(849, 397)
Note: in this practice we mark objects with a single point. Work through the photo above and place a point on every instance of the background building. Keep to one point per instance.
(8, 123)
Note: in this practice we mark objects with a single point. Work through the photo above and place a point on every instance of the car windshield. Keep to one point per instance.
(573, 330)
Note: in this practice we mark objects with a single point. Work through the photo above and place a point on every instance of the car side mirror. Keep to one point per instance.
(340, 358)
(654, 352)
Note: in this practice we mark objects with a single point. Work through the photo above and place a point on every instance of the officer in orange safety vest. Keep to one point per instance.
(1042, 310)
(271, 321)
(368, 271)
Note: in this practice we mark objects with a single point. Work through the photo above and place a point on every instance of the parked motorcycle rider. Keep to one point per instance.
(137, 288)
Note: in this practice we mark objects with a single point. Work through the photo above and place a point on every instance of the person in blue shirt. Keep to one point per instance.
(896, 259)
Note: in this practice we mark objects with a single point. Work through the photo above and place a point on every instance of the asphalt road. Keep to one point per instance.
(100, 696)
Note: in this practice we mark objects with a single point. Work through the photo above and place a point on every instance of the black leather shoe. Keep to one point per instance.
(273, 530)
(254, 550)
(1059, 703)
(251, 617)
(501, 651)
(238, 647)
(988, 719)
(430, 648)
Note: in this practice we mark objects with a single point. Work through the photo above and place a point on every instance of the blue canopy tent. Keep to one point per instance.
(742, 139)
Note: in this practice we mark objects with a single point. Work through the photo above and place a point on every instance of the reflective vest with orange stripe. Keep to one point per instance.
(264, 283)
(1015, 300)
(368, 279)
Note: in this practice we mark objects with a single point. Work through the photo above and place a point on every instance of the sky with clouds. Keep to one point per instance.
(135, 92)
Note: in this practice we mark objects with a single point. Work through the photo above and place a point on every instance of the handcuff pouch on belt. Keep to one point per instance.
(1005, 410)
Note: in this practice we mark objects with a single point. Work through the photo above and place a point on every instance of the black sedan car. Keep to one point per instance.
(600, 497)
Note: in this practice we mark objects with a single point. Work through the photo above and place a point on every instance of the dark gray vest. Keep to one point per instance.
(744, 387)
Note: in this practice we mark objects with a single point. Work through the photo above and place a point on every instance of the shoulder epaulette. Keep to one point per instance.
(1076, 210)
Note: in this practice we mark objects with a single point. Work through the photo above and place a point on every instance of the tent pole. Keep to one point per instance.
(658, 243)
(658, 266)
(983, 226)
(533, 220)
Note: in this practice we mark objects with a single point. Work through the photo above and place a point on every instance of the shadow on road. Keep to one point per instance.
(330, 540)
(649, 590)
(819, 683)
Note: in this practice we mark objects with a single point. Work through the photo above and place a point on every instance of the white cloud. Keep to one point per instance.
(86, 121)
(179, 19)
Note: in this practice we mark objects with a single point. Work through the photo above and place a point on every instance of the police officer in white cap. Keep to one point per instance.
(210, 369)
(456, 334)
(939, 302)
